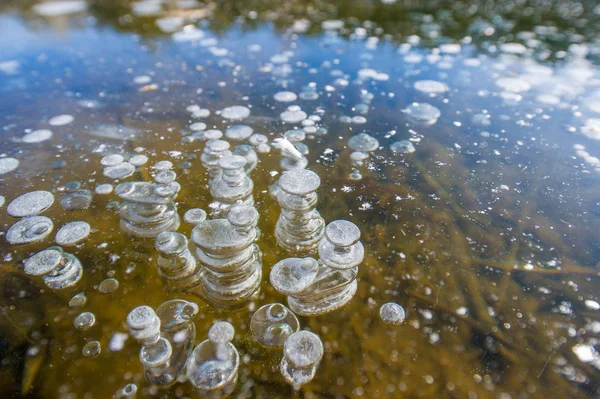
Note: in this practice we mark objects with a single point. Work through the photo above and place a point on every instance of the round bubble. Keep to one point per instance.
(108, 286)
(119, 171)
(392, 313)
(37, 136)
(363, 142)
(72, 233)
(8, 165)
(423, 113)
(285, 96)
(236, 112)
(430, 86)
(402, 147)
(84, 321)
(61, 120)
(29, 204)
(138, 160)
(91, 349)
(29, 229)
(104, 189)
(238, 132)
(112, 160)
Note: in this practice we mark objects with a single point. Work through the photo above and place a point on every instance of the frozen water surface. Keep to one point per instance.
(461, 139)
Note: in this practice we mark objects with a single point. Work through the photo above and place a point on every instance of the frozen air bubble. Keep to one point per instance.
(84, 321)
(37, 136)
(29, 204)
(72, 233)
(392, 313)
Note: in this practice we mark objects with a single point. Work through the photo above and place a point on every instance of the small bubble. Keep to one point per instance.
(91, 349)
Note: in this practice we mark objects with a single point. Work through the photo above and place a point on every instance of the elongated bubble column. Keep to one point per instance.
(148, 209)
(230, 260)
(232, 187)
(176, 265)
(300, 227)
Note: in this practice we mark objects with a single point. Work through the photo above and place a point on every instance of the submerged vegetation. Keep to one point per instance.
(461, 138)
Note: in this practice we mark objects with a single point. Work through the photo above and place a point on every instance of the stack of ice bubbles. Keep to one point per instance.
(58, 269)
(148, 208)
(300, 226)
(230, 261)
(232, 186)
(177, 266)
(167, 338)
(314, 288)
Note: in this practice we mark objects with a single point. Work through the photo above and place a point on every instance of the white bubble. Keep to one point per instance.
(29, 204)
(236, 112)
(285, 96)
(392, 313)
(513, 85)
(138, 160)
(104, 189)
(61, 120)
(8, 165)
(72, 233)
(430, 86)
(238, 132)
(37, 136)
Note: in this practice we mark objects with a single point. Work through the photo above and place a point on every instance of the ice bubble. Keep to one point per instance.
(392, 313)
(423, 113)
(84, 321)
(2, 201)
(236, 112)
(402, 147)
(29, 204)
(213, 134)
(363, 142)
(195, 216)
(37, 136)
(60, 7)
(303, 349)
(430, 86)
(257, 139)
(61, 120)
(285, 96)
(108, 286)
(29, 229)
(8, 165)
(293, 114)
(119, 171)
(111, 160)
(76, 199)
(91, 349)
(198, 126)
(272, 324)
(238, 132)
(72, 233)
(104, 189)
(78, 300)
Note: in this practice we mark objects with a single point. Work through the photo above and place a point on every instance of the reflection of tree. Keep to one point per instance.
(403, 18)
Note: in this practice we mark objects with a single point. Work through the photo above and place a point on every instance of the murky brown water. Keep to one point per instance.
(489, 242)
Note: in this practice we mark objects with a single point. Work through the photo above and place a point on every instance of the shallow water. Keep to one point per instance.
(487, 234)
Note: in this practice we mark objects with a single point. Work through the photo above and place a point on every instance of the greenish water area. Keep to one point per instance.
(478, 207)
